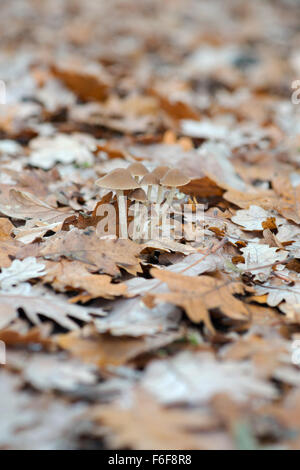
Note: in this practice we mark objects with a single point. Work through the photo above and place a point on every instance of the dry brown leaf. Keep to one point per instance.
(6, 228)
(8, 251)
(144, 424)
(25, 206)
(289, 198)
(202, 187)
(64, 275)
(106, 350)
(256, 218)
(266, 199)
(88, 81)
(199, 295)
(84, 245)
(19, 334)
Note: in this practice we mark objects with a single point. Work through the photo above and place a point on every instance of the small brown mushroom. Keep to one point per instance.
(138, 195)
(137, 170)
(119, 180)
(160, 172)
(172, 180)
(150, 180)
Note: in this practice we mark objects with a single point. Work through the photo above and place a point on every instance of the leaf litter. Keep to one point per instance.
(168, 342)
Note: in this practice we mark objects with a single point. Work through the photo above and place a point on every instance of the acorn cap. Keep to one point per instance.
(138, 195)
(118, 179)
(137, 169)
(175, 178)
(160, 171)
(150, 179)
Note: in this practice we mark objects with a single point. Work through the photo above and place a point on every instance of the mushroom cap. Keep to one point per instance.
(118, 179)
(138, 195)
(175, 178)
(150, 179)
(137, 169)
(160, 171)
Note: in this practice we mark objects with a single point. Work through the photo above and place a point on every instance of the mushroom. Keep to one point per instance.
(119, 180)
(150, 180)
(139, 196)
(172, 180)
(138, 170)
(160, 172)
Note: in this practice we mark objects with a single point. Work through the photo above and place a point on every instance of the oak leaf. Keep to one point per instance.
(259, 259)
(105, 255)
(106, 350)
(35, 303)
(20, 271)
(198, 295)
(25, 206)
(136, 425)
(289, 198)
(255, 218)
(65, 274)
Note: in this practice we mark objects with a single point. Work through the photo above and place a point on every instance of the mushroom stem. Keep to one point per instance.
(159, 194)
(149, 191)
(139, 215)
(122, 214)
(171, 196)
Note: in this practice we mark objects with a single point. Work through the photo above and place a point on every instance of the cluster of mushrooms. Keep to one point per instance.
(131, 181)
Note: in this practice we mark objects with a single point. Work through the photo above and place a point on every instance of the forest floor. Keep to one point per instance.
(187, 338)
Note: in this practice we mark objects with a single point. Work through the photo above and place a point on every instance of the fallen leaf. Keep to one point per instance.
(106, 350)
(255, 218)
(289, 198)
(196, 378)
(88, 81)
(47, 151)
(259, 260)
(64, 275)
(35, 303)
(85, 246)
(25, 206)
(20, 271)
(199, 295)
(135, 425)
